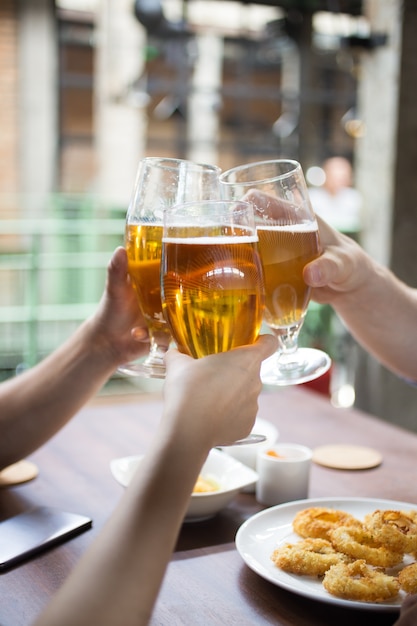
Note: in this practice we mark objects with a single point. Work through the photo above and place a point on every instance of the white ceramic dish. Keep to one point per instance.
(247, 453)
(231, 475)
(257, 538)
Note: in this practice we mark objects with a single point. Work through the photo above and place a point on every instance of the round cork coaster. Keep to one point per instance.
(341, 456)
(18, 473)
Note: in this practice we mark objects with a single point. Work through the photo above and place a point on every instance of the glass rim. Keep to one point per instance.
(176, 214)
(296, 167)
(175, 163)
(241, 205)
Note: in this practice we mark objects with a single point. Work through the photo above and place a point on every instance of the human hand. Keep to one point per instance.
(214, 400)
(341, 270)
(342, 267)
(118, 321)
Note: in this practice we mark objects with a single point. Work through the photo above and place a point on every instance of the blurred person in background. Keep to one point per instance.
(336, 200)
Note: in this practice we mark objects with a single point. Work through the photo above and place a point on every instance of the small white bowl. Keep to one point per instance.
(247, 453)
(231, 476)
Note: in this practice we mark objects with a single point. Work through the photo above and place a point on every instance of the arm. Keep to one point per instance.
(35, 405)
(378, 308)
(207, 402)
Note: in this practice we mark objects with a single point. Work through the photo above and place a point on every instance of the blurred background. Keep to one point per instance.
(88, 87)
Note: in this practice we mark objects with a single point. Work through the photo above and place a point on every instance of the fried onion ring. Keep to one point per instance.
(311, 557)
(396, 529)
(320, 521)
(408, 578)
(359, 543)
(360, 581)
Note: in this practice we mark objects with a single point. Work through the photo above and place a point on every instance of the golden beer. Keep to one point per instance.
(143, 244)
(285, 250)
(212, 292)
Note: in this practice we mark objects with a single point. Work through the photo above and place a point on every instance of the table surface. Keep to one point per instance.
(207, 581)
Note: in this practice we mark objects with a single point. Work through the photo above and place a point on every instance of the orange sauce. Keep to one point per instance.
(205, 485)
(274, 454)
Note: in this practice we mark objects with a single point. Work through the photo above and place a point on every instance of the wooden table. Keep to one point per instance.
(207, 582)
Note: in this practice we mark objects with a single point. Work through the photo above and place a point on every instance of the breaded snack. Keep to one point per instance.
(359, 543)
(360, 581)
(311, 557)
(319, 521)
(397, 529)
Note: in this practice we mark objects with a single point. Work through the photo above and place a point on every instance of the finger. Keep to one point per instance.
(314, 273)
(140, 333)
(328, 270)
(117, 271)
(341, 269)
(265, 346)
(118, 261)
(268, 345)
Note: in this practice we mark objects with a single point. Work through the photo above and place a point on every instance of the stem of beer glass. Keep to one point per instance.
(288, 358)
(156, 354)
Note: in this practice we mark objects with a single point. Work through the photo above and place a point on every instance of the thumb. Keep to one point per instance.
(118, 261)
(265, 346)
(314, 273)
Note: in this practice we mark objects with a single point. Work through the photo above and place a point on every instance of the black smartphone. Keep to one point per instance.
(33, 531)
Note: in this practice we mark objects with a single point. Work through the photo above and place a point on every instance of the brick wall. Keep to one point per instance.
(8, 98)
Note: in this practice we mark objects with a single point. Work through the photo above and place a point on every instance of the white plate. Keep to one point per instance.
(231, 476)
(258, 537)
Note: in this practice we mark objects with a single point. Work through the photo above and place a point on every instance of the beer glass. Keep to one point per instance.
(288, 240)
(160, 184)
(212, 286)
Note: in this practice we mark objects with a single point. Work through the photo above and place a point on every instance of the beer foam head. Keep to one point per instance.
(216, 240)
(307, 227)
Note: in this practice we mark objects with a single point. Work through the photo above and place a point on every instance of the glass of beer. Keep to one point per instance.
(288, 240)
(160, 184)
(212, 286)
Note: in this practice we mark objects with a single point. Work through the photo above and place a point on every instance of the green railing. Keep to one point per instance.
(52, 274)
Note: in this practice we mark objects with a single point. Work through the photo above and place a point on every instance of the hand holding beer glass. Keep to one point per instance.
(160, 183)
(211, 278)
(288, 240)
